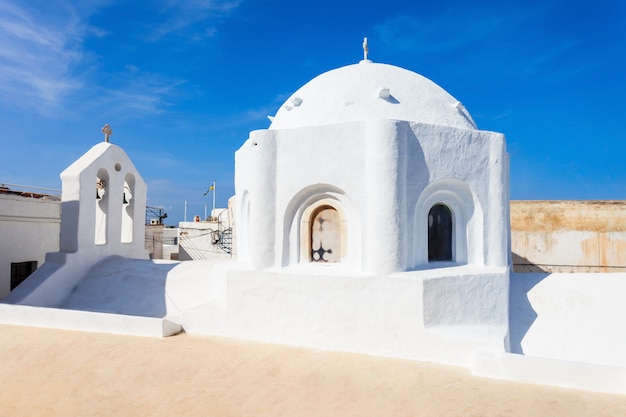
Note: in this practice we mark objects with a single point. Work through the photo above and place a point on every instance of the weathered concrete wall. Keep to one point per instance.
(568, 236)
(154, 240)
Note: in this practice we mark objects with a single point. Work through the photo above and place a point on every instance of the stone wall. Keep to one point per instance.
(568, 236)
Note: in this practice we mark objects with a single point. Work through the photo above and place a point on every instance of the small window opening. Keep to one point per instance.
(439, 233)
(20, 271)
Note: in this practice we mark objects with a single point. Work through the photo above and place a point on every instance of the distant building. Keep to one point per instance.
(30, 223)
(154, 240)
(170, 243)
(211, 238)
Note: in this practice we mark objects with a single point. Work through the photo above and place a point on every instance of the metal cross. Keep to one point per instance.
(365, 49)
(107, 132)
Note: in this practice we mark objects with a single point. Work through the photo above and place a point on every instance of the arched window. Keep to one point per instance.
(325, 235)
(128, 208)
(102, 207)
(439, 233)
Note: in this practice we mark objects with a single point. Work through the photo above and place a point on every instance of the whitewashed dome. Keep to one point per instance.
(368, 91)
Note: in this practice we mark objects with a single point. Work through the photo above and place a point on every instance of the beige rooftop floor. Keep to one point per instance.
(46, 372)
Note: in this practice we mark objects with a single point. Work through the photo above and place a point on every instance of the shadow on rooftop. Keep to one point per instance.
(117, 285)
(521, 313)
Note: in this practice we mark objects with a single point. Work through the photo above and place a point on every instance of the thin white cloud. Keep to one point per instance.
(45, 66)
(40, 48)
(179, 16)
(142, 93)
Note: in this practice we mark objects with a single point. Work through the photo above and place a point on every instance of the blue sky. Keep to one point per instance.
(183, 82)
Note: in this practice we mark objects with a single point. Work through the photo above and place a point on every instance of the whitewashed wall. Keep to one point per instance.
(384, 175)
(29, 228)
(86, 236)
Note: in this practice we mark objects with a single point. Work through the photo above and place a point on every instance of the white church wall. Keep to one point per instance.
(80, 203)
(381, 170)
(366, 178)
(29, 228)
(86, 205)
(126, 195)
(384, 220)
(497, 225)
(329, 308)
(479, 160)
(317, 175)
(255, 177)
(465, 295)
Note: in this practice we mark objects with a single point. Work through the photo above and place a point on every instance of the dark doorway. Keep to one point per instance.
(439, 233)
(20, 271)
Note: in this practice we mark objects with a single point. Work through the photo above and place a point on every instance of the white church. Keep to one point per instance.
(371, 217)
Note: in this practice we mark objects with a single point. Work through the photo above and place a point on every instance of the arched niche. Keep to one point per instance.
(454, 205)
(102, 207)
(323, 233)
(128, 209)
(298, 222)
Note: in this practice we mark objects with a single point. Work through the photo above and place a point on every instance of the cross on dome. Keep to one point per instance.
(107, 132)
(365, 51)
